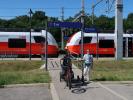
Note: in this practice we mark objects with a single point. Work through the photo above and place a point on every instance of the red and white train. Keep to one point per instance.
(106, 45)
(18, 43)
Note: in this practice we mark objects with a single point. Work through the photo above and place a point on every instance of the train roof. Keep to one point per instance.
(51, 39)
(42, 33)
(78, 34)
(75, 38)
(21, 33)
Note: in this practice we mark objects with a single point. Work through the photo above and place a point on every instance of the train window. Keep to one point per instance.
(86, 40)
(17, 43)
(39, 39)
(106, 43)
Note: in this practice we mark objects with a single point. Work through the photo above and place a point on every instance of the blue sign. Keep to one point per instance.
(65, 24)
(66, 37)
(90, 30)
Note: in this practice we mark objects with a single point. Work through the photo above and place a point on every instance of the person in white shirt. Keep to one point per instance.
(88, 63)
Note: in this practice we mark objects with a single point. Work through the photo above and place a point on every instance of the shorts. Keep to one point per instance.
(87, 64)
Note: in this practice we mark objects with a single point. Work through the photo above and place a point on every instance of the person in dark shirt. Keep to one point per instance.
(66, 62)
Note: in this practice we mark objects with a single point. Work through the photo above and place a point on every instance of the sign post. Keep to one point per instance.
(30, 53)
(97, 47)
(46, 49)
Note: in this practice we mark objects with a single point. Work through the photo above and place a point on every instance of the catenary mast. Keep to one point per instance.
(119, 29)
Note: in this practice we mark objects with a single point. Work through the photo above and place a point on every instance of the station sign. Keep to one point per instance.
(65, 24)
(90, 30)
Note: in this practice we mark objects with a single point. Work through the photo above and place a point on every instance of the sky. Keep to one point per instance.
(11, 8)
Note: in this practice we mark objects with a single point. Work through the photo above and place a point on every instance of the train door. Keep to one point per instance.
(106, 47)
(124, 47)
(130, 47)
(127, 47)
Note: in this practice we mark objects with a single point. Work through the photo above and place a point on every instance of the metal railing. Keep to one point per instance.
(8, 54)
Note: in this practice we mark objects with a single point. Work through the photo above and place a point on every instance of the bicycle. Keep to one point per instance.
(68, 77)
(66, 74)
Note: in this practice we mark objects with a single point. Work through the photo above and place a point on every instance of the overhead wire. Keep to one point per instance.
(55, 8)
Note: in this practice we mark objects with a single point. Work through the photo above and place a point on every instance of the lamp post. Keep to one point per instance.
(30, 12)
(82, 36)
(62, 30)
(46, 48)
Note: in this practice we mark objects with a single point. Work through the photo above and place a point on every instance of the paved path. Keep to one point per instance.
(37, 92)
(92, 91)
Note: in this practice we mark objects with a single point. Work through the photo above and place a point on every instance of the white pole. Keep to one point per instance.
(62, 33)
(82, 32)
(82, 37)
(46, 46)
(30, 53)
(119, 29)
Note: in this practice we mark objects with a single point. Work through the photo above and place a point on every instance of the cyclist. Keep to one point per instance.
(88, 63)
(66, 63)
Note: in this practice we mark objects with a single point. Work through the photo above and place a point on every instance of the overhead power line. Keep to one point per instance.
(39, 8)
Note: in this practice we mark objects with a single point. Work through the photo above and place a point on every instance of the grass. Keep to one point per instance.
(22, 72)
(111, 70)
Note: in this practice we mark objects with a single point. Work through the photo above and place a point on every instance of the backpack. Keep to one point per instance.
(66, 61)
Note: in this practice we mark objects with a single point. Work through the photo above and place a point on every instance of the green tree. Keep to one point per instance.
(21, 21)
(2, 23)
(129, 21)
(39, 19)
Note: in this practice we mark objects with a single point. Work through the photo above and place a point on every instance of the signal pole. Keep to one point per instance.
(30, 12)
(119, 29)
(82, 36)
(82, 29)
(46, 49)
(62, 33)
(93, 13)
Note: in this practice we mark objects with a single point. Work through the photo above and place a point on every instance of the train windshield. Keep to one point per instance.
(86, 40)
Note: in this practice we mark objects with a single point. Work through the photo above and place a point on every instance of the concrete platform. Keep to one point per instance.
(26, 92)
(91, 91)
